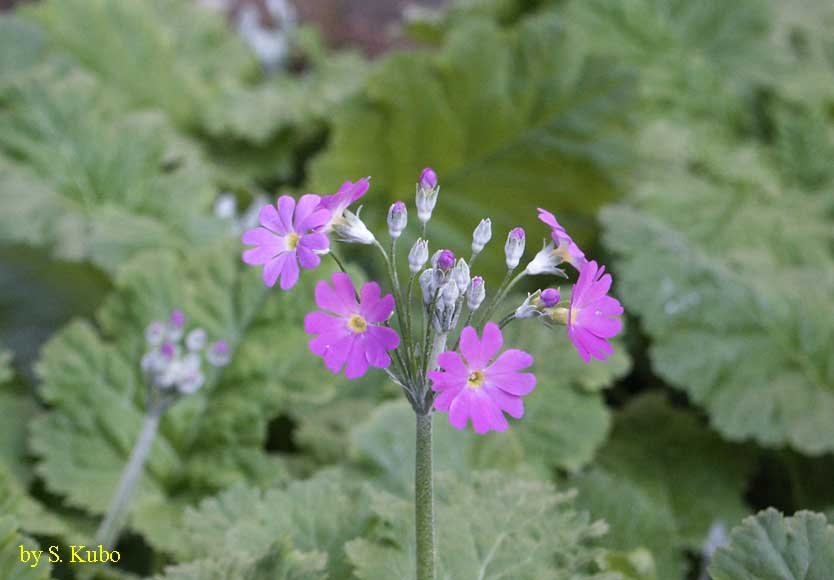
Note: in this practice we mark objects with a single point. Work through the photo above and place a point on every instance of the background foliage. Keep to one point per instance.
(688, 145)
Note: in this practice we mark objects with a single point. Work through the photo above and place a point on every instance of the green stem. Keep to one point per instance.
(108, 531)
(506, 286)
(424, 499)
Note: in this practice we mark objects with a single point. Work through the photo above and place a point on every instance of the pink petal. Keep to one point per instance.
(444, 399)
(518, 384)
(373, 308)
(459, 410)
(506, 402)
(479, 353)
(307, 258)
(357, 364)
(453, 365)
(375, 352)
(269, 246)
(315, 241)
(510, 360)
(387, 337)
(322, 323)
(338, 352)
(305, 206)
(486, 416)
(289, 273)
(273, 269)
(343, 286)
(327, 298)
(269, 218)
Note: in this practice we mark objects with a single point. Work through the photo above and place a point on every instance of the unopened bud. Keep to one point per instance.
(219, 354)
(427, 191)
(514, 248)
(443, 259)
(550, 297)
(196, 339)
(428, 178)
(476, 294)
(460, 275)
(418, 255)
(528, 308)
(481, 236)
(450, 294)
(397, 219)
(155, 333)
(427, 286)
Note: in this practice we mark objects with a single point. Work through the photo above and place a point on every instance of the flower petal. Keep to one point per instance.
(273, 269)
(338, 353)
(289, 273)
(387, 337)
(331, 298)
(357, 363)
(316, 241)
(307, 258)
(372, 307)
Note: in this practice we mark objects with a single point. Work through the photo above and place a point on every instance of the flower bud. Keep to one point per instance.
(155, 333)
(176, 325)
(168, 350)
(196, 339)
(476, 294)
(450, 294)
(529, 308)
(397, 219)
(427, 286)
(427, 191)
(428, 178)
(481, 236)
(550, 297)
(219, 354)
(514, 248)
(443, 259)
(460, 275)
(418, 255)
(352, 230)
(191, 383)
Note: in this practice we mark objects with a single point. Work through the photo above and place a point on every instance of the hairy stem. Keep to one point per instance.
(108, 531)
(424, 499)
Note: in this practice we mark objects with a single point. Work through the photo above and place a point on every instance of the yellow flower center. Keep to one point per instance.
(563, 253)
(475, 380)
(357, 324)
(292, 240)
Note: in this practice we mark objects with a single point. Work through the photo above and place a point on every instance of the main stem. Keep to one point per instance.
(108, 531)
(424, 499)
(424, 478)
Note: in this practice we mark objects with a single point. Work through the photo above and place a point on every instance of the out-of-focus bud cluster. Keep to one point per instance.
(174, 360)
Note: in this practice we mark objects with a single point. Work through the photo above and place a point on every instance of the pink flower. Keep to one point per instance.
(353, 336)
(348, 193)
(476, 386)
(592, 316)
(566, 248)
(283, 241)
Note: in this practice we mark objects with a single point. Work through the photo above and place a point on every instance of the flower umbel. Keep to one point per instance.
(593, 315)
(289, 235)
(351, 334)
(477, 385)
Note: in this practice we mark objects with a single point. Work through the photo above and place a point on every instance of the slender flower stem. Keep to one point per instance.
(506, 286)
(424, 480)
(108, 531)
(338, 261)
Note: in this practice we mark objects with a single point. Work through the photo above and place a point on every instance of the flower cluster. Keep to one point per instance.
(355, 330)
(173, 363)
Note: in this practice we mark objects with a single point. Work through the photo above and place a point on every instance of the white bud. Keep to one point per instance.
(155, 333)
(427, 191)
(481, 236)
(418, 255)
(529, 307)
(476, 294)
(397, 219)
(514, 248)
(352, 230)
(191, 383)
(427, 286)
(196, 339)
(450, 294)
(460, 275)
(219, 354)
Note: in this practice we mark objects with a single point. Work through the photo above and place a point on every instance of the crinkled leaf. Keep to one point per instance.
(495, 112)
(317, 515)
(493, 527)
(770, 546)
(662, 480)
(208, 441)
(33, 517)
(732, 276)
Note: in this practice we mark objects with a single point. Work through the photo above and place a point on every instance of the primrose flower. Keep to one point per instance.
(289, 235)
(337, 203)
(566, 248)
(476, 385)
(352, 336)
(592, 316)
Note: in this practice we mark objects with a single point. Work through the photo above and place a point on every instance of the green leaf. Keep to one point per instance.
(11, 567)
(207, 442)
(770, 546)
(278, 562)
(661, 481)
(17, 412)
(494, 527)
(553, 128)
(317, 515)
(32, 516)
(74, 185)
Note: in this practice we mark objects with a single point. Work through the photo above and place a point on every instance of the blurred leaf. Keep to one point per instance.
(494, 527)
(208, 441)
(510, 120)
(661, 482)
(317, 515)
(279, 562)
(770, 546)
(11, 568)
(72, 182)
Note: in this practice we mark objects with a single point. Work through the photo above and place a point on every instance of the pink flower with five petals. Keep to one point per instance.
(289, 235)
(352, 336)
(479, 386)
